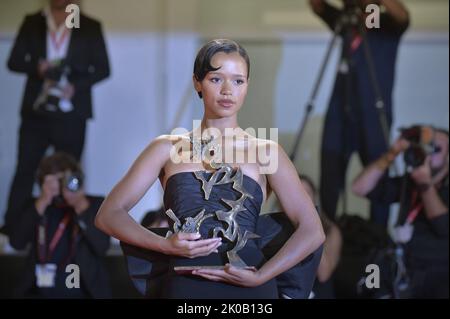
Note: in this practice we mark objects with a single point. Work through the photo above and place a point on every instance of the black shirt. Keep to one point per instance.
(430, 237)
(63, 253)
(91, 247)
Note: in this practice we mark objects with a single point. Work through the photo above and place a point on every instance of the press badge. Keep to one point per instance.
(45, 275)
(403, 234)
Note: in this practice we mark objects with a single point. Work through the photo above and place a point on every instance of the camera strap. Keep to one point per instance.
(356, 40)
(417, 207)
(45, 254)
(57, 43)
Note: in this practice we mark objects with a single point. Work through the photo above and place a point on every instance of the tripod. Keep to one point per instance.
(349, 19)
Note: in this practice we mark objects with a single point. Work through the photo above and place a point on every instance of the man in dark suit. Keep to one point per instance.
(352, 122)
(43, 48)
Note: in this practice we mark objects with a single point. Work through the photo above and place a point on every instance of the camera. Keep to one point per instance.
(51, 100)
(70, 181)
(422, 143)
(57, 71)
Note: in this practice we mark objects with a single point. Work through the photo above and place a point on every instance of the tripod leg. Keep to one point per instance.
(311, 102)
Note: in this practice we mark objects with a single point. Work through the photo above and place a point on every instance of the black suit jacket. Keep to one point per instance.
(89, 255)
(86, 56)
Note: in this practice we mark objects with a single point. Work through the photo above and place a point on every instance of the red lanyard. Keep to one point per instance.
(57, 43)
(417, 207)
(356, 40)
(44, 254)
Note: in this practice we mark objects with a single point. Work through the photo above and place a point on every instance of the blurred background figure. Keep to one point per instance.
(352, 121)
(422, 227)
(324, 284)
(59, 225)
(62, 64)
(155, 219)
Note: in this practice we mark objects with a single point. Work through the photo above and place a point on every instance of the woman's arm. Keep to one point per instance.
(113, 217)
(368, 179)
(331, 254)
(299, 208)
(434, 206)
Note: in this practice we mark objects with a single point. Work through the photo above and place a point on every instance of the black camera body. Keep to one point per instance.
(50, 100)
(56, 71)
(422, 144)
(72, 181)
(414, 156)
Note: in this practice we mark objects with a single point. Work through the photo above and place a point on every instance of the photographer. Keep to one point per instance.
(59, 224)
(423, 194)
(61, 64)
(352, 119)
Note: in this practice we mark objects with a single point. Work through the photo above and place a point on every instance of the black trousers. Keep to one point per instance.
(35, 136)
(351, 124)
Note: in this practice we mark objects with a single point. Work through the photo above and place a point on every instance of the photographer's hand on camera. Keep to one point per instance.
(422, 176)
(68, 91)
(428, 188)
(368, 179)
(77, 200)
(49, 189)
(399, 146)
(43, 66)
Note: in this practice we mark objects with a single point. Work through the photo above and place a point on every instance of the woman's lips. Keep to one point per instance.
(226, 103)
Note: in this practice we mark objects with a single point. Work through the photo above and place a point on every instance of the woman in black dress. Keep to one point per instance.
(214, 199)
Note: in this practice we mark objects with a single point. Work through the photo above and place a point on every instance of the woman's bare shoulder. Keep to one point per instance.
(164, 145)
(267, 153)
(268, 146)
(166, 141)
(259, 142)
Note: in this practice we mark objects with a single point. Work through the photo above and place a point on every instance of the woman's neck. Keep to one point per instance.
(222, 125)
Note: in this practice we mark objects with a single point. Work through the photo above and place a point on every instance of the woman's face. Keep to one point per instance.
(224, 90)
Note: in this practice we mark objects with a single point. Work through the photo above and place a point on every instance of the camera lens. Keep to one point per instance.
(73, 183)
(414, 156)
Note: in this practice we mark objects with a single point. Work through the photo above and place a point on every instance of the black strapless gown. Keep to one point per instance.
(184, 195)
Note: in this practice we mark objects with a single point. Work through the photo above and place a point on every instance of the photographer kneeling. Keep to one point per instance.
(422, 226)
(59, 224)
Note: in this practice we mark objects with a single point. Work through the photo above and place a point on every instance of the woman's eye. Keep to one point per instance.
(240, 81)
(215, 80)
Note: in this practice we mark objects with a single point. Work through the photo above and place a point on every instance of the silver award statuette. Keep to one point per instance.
(222, 175)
